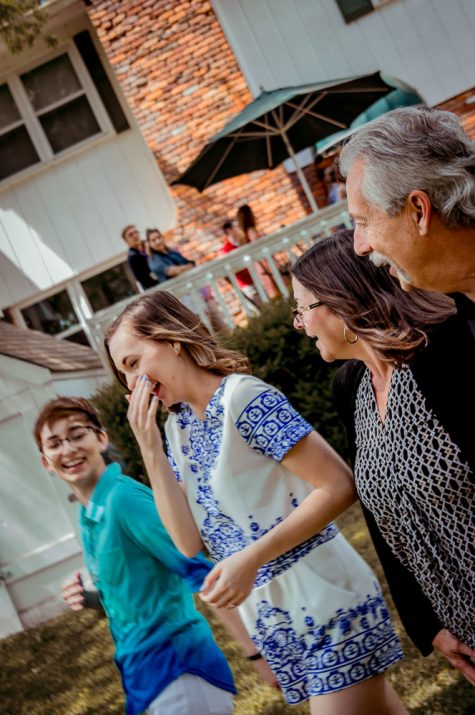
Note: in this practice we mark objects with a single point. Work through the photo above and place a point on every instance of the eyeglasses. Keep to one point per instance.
(77, 435)
(298, 312)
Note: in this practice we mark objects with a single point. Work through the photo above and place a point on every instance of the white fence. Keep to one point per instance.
(278, 249)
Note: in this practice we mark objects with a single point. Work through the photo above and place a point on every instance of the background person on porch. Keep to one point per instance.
(253, 487)
(404, 395)
(137, 257)
(165, 650)
(243, 277)
(334, 186)
(166, 263)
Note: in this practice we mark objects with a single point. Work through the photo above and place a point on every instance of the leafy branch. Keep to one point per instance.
(22, 23)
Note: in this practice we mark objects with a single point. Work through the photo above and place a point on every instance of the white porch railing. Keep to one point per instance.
(282, 247)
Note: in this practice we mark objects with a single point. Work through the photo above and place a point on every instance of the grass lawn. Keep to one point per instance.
(65, 667)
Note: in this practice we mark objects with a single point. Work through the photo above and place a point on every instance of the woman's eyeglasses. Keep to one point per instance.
(298, 312)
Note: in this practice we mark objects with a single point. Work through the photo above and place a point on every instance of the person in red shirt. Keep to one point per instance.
(243, 277)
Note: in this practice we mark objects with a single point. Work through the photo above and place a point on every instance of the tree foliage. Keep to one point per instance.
(22, 22)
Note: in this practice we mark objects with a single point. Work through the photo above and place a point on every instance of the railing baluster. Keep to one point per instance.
(276, 274)
(224, 308)
(257, 283)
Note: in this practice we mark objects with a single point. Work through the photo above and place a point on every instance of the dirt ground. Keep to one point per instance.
(65, 667)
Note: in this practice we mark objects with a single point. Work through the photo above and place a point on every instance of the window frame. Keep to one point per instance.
(30, 118)
(77, 295)
(349, 17)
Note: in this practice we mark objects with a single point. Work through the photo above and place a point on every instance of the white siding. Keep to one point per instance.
(426, 43)
(38, 542)
(67, 217)
(39, 535)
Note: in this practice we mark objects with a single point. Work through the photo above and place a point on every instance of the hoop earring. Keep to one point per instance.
(345, 335)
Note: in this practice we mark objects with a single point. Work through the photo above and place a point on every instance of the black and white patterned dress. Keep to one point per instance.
(414, 480)
(316, 612)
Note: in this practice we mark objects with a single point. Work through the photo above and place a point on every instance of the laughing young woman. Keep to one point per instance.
(248, 478)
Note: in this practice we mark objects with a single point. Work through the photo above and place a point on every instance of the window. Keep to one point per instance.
(55, 106)
(57, 315)
(52, 315)
(16, 148)
(109, 287)
(60, 103)
(78, 337)
(353, 9)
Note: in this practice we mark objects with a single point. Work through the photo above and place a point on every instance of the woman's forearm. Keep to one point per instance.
(172, 504)
(313, 460)
(310, 517)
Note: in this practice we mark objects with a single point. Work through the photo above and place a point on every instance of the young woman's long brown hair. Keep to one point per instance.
(160, 316)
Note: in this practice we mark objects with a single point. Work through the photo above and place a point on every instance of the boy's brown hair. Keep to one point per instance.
(62, 407)
(125, 230)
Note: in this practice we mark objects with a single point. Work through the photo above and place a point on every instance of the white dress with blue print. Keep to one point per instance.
(316, 612)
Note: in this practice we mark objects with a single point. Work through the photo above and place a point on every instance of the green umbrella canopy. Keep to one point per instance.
(277, 124)
(402, 96)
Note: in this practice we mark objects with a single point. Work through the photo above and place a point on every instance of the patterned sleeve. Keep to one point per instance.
(265, 419)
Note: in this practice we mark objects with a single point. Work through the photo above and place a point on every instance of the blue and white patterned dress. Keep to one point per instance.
(316, 612)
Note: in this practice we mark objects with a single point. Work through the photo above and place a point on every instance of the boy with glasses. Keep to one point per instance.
(165, 650)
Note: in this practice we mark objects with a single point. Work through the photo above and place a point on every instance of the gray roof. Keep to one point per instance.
(45, 350)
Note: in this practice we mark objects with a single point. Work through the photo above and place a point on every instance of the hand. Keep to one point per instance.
(73, 592)
(142, 416)
(231, 581)
(460, 656)
(267, 675)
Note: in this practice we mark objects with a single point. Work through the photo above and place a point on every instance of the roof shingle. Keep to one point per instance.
(45, 350)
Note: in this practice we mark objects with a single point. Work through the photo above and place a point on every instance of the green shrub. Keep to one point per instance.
(279, 354)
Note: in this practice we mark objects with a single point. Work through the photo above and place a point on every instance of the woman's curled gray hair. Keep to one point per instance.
(416, 148)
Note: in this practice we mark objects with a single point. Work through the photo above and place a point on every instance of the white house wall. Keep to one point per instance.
(427, 43)
(84, 383)
(39, 536)
(62, 218)
(39, 546)
(67, 218)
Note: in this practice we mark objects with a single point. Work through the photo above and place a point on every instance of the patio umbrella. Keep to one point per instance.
(402, 95)
(280, 123)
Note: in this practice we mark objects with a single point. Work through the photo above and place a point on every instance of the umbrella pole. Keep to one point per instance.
(301, 175)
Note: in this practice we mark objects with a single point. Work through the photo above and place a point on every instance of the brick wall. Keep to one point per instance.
(183, 84)
(459, 105)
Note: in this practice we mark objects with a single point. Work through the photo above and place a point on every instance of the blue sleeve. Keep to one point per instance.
(158, 267)
(141, 522)
(179, 259)
(265, 419)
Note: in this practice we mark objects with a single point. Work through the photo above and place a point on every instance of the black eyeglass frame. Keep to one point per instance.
(298, 312)
(62, 440)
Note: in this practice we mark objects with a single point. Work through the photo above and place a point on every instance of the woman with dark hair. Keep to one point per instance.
(247, 224)
(410, 360)
(249, 478)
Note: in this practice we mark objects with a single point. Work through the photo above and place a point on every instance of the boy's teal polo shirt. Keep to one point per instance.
(145, 586)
